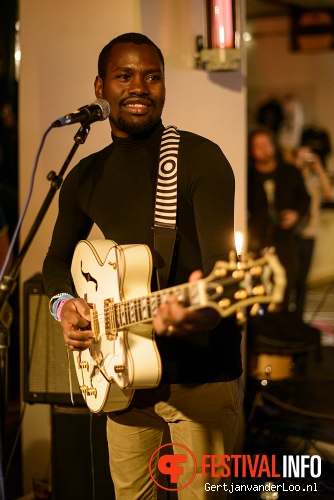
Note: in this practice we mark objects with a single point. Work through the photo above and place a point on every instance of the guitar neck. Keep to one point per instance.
(143, 309)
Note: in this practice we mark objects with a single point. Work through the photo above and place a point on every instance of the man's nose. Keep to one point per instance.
(139, 86)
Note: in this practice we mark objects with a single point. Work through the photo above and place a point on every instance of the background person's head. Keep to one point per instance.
(262, 149)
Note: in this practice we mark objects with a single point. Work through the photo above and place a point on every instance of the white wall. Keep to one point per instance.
(60, 42)
(273, 70)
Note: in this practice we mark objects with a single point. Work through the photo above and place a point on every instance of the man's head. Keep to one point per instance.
(131, 78)
(262, 148)
(136, 38)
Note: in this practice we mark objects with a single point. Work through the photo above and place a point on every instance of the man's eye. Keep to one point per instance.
(122, 77)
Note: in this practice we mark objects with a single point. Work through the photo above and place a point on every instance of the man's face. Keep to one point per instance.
(134, 87)
(262, 148)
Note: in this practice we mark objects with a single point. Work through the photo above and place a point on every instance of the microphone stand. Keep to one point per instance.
(8, 285)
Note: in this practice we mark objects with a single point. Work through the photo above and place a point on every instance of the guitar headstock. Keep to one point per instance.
(233, 286)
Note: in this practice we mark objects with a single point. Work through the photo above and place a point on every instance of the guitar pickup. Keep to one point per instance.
(109, 319)
(95, 325)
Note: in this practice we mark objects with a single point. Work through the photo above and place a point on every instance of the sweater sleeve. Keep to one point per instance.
(72, 225)
(212, 191)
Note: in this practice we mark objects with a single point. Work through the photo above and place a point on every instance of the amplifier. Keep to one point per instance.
(46, 366)
(80, 458)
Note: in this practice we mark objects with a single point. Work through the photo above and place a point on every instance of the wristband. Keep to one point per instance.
(60, 306)
(55, 302)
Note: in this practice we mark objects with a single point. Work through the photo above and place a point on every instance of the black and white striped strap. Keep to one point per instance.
(166, 193)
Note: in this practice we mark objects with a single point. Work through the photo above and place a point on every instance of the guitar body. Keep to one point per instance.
(119, 359)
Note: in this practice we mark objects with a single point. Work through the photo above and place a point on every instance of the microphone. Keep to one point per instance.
(97, 110)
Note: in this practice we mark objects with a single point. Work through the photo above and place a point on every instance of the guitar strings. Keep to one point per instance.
(134, 306)
(162, 296)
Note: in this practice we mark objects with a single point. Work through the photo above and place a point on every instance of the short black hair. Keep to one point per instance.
(136, 38)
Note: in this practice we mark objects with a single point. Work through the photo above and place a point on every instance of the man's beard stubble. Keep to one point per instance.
(133, 128)
(138, 127)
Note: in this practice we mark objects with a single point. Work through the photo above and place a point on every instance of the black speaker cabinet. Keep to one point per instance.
(46, 369)
(80, 459)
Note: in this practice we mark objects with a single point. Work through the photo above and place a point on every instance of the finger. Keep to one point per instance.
(171, 311)
(77, 345)
(78, 334)
(72, 321)
(77, 340)
(83, 309)
(195, 276)
(75, 308)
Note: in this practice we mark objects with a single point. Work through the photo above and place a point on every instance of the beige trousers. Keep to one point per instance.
(201, 419)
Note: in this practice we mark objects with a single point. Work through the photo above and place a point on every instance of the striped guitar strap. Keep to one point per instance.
(165, 213)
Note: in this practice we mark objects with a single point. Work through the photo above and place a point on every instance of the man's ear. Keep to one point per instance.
(98, 84)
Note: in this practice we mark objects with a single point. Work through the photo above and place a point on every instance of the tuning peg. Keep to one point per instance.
(240, 295)
(256, 270)
(259, 290)
(220, 272)
(272, 307)
(254, 309)
(238, 274)
(241, 317)
(224, 303)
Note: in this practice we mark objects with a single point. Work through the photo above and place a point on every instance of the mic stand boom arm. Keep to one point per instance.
(8, 283)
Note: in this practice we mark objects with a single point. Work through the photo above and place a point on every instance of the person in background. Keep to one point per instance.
(319, 189)
(200, 394)
(277, 201)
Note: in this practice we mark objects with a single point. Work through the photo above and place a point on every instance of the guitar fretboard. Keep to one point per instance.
(142, 309)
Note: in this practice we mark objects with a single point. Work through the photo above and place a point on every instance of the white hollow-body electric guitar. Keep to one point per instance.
(115, 282)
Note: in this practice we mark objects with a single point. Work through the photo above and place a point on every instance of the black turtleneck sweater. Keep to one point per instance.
(115, 188)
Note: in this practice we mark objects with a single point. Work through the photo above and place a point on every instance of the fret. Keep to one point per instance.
(194, 294)
(144, 303)
(154, 304)
(178, 292)
(164, 294)
(127, 312)
(138, 310)
(122, 314)
(186, 295)
(132, 312)
(117, 316)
